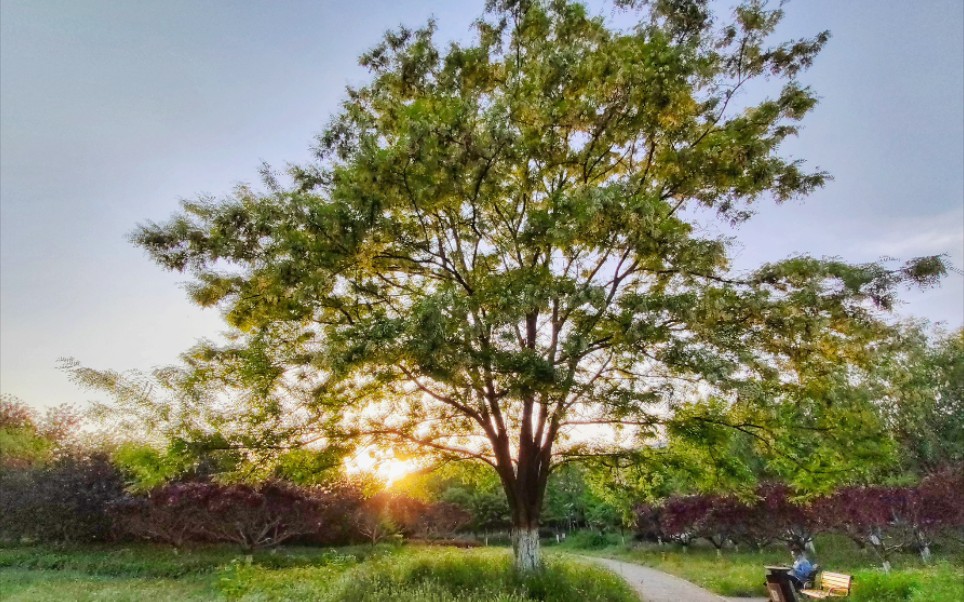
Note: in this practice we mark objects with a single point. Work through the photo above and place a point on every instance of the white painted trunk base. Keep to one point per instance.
(525, 544)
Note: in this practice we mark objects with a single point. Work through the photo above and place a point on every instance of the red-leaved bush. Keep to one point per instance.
(250, 516)
(882, 518)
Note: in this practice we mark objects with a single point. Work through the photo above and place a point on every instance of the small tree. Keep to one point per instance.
(724, 521)
(173, 514)
(441, 520)
(681, 517)
(930, 509)
(648, 522)
(866, 515)
(256, 517)
(373, 521)
(28, 439)
(939, 495)
(792, 522)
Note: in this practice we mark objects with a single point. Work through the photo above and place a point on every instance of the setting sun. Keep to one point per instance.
(383, 464)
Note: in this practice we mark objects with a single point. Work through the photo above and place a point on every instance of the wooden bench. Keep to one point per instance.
(831, 585)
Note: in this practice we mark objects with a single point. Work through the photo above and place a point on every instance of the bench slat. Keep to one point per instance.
(832, 585)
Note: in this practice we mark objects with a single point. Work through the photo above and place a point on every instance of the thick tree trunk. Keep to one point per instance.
(524, 481)
(525, 545)
(525, 527)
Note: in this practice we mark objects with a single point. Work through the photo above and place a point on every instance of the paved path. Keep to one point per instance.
(656, 586)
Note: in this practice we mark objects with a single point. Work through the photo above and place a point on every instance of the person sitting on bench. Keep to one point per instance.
(802, 570)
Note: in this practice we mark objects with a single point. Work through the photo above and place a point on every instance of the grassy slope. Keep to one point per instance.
(741, 573)
(348, 575)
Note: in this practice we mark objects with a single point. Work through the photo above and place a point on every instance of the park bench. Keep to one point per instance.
(831, 585)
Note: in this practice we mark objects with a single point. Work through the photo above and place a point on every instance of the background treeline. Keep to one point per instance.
(703, 481)
(54, 489)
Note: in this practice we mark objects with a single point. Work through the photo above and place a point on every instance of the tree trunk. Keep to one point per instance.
(524, 481)
(525, 545)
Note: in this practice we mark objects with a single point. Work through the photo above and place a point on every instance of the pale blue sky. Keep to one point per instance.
(110, 112)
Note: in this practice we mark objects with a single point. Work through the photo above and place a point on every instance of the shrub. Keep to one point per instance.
(64, 501)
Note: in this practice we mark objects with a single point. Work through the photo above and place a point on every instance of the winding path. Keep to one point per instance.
(656, 586)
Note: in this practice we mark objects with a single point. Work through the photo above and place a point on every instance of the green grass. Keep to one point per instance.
(28, 585)
(149, 561)
(410, 574)
(741, 573)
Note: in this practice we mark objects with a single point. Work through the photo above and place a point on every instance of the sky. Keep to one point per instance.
(112, 112)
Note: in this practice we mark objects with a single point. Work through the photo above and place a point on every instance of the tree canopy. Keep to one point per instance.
(499, 243)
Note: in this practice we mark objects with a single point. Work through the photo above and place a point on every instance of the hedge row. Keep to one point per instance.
(82, 499)
(884, 519)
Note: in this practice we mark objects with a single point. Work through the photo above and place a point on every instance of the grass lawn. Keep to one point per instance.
(360, 574)
(741, 573)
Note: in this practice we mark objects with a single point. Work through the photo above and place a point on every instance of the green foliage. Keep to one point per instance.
(922, 385)
(498, 242)
(147, 467)
(572, 502)
(23, 446)
(28, 439)
(472, 486)
(310, 466)
(590, 540)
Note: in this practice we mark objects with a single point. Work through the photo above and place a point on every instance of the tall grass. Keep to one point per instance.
(430, 575)
(362, 574)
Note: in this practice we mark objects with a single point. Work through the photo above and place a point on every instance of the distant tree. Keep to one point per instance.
(471, 486)
(440, 520)
(572, 503)
(792, 521)
(262, 516)
(28, 438)
(486, 505)
(499, 243)
(866, 515)
(21, 443)
(921, 392)
(724, 521)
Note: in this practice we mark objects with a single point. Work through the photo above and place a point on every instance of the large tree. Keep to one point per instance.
(498, 243)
